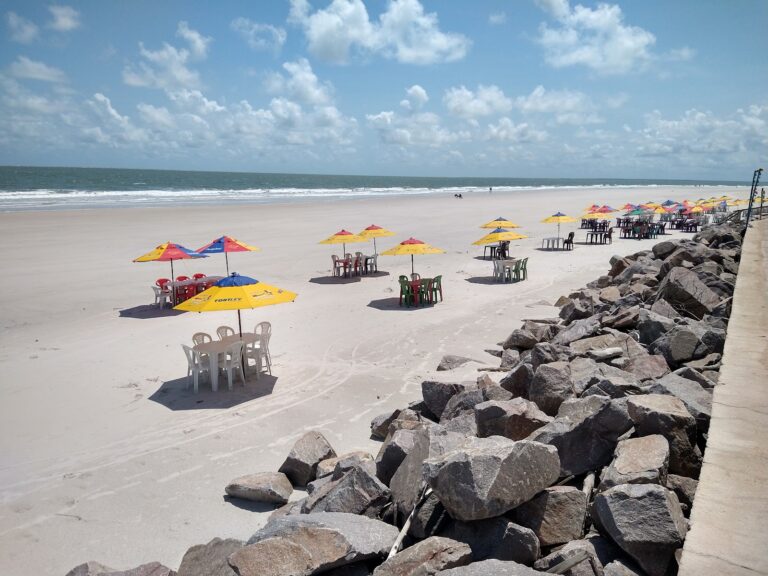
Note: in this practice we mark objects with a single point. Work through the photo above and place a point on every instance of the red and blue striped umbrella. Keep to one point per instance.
(226, 244)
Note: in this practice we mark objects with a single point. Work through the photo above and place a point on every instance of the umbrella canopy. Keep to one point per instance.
(694, 210)
(660, 210)
(168, 252)
(629, 206)
(412, 246)
(500, 223)
(668, 203)
(597, 216)
(637, 212)
(343, 237)
(605, 209)
(236, 292)
(373, 232)
(498, 235)
(592, 208)
(558, 218)
(226, 244)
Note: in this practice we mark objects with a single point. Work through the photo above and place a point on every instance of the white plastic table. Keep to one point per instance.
(216, 347)
(551, 242)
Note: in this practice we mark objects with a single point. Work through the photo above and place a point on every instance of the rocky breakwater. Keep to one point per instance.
(582, 459)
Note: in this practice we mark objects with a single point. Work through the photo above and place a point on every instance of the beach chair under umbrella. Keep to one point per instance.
(168, 252)
(226, 244)
(412, 246)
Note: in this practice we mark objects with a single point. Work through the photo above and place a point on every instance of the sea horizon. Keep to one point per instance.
(24, 188)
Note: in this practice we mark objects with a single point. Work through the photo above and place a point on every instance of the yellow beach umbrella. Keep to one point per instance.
(597, 216)
(558, 218)
(500, 223)
(373, 232)
(498, 235)
(412, 246)
(343, 237)
(236, 292)
(660, 210)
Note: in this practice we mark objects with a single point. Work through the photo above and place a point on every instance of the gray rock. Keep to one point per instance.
(646, 522)
(518, 380)
(407, 481)
(622, 568)
(492, 476)
(462, 402)
(313, 543)
(496, 538)
(546, 352)
(318, 483)
(426, 558)
(392, 453)
(687, 294)
(652, 326)
(647, 367)
(612, 387)
(585, 433)
(556, 515)
(450, 362)
(437, 394)
(709, 362)
(668, 416)
(684, 488)
(520, 339)
(576, 310)
(509, 358)
(380, 424)
(358, 491)
(514, 419)
(210, 559)
(605, 354)
(578, 330)
(293, 508)
(302, 461)
(408, 419)
(664, 308)
(149, 569)
(679, 345)
(599, 551)
(697, 400)
(696, 376)
(643, 460)
(429, 518)
(272, 487)
(551, 386)
(463, 424)
(609, 294)
(664, 249)
(89, 568)
(491, 568)
(345, 462)
(623, 318)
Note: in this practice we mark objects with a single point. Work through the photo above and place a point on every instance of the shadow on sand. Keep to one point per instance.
(250, 505)
(146, 311)
(175, 395)
(393, 303)
(334, 280)
(485, 280)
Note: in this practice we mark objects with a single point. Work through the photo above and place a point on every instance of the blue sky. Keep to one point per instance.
(521, 88)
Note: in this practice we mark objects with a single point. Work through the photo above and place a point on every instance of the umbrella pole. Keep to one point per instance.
(172, 270)
(374, 246)
(239, 324)
(412, 265)
(226, 258)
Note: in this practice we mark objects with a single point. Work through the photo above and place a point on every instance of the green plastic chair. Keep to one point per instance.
(524, 268)
(437, 288)
(406, 292)
(515, 272)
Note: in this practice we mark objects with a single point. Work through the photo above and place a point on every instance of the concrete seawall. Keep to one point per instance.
(729, 533)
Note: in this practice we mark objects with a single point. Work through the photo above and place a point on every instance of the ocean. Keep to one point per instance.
(50, 188)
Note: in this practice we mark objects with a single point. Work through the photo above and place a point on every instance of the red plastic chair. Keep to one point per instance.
(161, 282)
(198, 276)
(181, 278)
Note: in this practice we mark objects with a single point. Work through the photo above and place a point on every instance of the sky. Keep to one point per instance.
(515, 88)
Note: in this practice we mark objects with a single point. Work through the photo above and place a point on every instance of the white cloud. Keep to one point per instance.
(168, 68)
(566, 106)
(417, 97)
(404, 32)
(18, 98)
(21, 29)
(29, 69)
(114, 129)
(497, 18)
(260, 36)
(507, 131)
(682, 54)
(597, 38)
(198, 43)
(301, 83)
(65, 18)
(156, 116)
(424, 129)
(465, 103)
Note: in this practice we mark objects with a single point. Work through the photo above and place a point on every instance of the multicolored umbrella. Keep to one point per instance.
(168, 252)
(236, 292)
(226, 244)
(412, 246)
(373, 232)
(498, 235)
(628, 206)
(606, 209)
(500, 223)
(343, 237)
(597, 216)
(637, 212)
(558, 218)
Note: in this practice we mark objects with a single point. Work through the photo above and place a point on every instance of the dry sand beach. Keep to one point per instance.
(103, 453)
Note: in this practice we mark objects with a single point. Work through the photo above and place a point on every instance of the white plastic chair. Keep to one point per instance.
(233, 362)
(195, 366)
(161, 296)
(201, 338)
(224, 331)
(259, 349)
